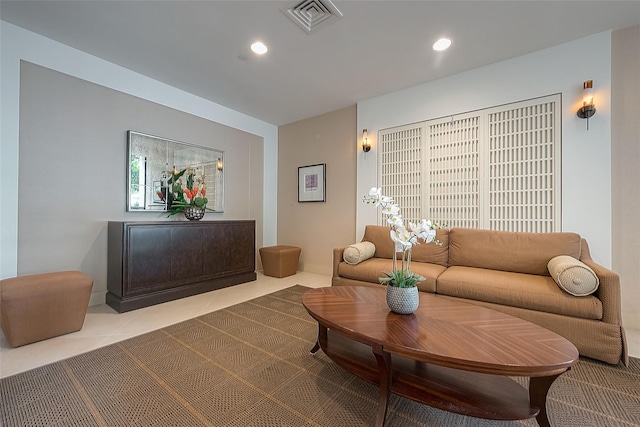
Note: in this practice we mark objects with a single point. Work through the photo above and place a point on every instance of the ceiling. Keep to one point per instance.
(376, 47)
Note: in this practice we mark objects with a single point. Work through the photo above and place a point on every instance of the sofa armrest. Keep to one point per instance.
(609, 290)
(337, 259)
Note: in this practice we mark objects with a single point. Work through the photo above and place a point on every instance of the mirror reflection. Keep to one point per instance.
(159, 169)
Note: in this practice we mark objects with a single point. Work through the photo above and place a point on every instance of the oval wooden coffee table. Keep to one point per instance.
(449, 354)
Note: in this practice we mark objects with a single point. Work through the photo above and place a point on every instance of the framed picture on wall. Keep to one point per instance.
(311, 183)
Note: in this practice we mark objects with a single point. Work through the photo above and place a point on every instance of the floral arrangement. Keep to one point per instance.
(192, 195)
(404, 238)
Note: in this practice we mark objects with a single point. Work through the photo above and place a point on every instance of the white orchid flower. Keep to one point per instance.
(398, 245)
(375, 193)
(395, 221)
(428, 235)
(428, 231)
(390, 209)
(414, 239)
(375, 196)
(402, 239)
(415, 227)
(423, 230)
(416, 232)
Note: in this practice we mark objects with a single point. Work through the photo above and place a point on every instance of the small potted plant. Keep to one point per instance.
(190, 199)
(402, 290)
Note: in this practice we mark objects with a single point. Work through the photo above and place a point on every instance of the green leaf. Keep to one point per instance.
(174, 212)
(401, 279)
(176, 176)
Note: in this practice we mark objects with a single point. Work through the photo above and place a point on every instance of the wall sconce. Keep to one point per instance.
(588, 109)
(219, 164)
(366, 145)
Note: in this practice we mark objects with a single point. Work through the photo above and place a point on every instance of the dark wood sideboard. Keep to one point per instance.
(155, 262)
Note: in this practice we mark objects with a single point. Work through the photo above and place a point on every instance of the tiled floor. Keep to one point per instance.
(104, 326)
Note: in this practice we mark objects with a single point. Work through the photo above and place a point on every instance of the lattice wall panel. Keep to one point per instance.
(454, 175)
(401, 169)
(521, 169)
(497, 168)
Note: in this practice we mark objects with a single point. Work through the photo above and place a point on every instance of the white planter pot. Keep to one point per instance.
(402, 300)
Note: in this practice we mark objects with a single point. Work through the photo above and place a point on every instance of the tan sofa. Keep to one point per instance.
(507, 271)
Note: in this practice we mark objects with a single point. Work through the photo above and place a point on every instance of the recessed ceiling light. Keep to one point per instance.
(442, 44)
(259, 48)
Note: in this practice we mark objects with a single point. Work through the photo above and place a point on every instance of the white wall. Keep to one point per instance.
(625, 158)
(17, 44)
(586, 157)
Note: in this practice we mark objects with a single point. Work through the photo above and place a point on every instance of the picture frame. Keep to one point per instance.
(157, 188)
(312, 183)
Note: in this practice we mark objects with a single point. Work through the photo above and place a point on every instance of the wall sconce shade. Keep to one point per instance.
(219, 164)
(366, 145)
(588, 108)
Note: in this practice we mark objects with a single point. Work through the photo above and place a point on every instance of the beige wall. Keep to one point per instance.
(72, 169)
(318, 227)
(625, 173)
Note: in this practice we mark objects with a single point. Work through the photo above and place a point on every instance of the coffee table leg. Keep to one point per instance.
(384, 370)
(538, 389)
(322, 336)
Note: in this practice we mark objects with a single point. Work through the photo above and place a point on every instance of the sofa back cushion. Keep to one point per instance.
(430, 252)
(510, 251)
(379, 236)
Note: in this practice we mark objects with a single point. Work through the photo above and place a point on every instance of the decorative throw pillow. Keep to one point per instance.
(358, 252)
(573, 276)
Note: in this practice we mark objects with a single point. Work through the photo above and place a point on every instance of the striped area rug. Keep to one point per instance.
(249, 365)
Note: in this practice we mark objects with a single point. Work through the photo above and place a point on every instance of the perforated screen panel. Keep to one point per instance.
(522, 168)
(497, 168)
(401, 174)
(454, 173)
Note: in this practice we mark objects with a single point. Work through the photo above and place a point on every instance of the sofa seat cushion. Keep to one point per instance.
(372, 269)
(516, 289)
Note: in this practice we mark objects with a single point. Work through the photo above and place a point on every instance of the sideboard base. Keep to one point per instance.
(124, 304)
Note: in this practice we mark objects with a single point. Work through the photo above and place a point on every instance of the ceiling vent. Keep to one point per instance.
(311, 15)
